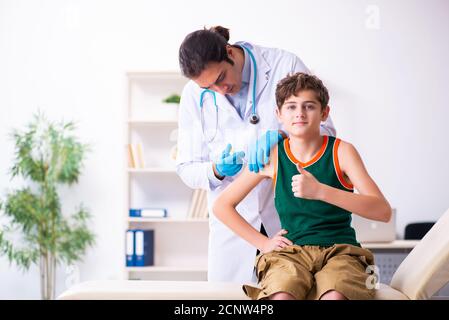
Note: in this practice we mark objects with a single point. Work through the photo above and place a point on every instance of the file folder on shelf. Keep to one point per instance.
(148, 212)
(144, 247)
(130, 248)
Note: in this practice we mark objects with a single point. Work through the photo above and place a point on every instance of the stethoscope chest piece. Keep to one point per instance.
(254, 118)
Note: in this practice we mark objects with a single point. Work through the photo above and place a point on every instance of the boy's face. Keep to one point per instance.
(301, 115)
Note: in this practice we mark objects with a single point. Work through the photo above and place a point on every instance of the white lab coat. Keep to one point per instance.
(231, 258)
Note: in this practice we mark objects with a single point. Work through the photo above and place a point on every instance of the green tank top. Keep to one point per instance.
(312, 222)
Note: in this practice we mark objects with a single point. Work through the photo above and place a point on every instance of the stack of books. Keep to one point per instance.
(198, 205)
(135, 156)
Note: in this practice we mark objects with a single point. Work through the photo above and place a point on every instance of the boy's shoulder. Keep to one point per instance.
(269, 169)
(344, 145)
(346, 152)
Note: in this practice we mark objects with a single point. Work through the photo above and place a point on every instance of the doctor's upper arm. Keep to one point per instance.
(352, 166)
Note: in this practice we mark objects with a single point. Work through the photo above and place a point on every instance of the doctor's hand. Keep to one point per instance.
(229, 164)
(305, 185)
(259, 151)
(276, 243)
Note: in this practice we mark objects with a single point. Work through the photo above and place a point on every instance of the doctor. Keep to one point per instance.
(226, 119)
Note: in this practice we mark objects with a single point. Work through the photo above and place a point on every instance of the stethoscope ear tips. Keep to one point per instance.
(254, 118)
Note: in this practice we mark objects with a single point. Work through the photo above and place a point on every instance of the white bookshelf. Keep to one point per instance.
(151, 122)
(180, 251)
(153, 170)
(165, 220)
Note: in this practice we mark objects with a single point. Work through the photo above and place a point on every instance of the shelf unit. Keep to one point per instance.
(153, 170)
(165, 220)
(180, 250)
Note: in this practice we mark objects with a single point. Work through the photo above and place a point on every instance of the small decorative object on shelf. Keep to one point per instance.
(174, 98)
(170, 110)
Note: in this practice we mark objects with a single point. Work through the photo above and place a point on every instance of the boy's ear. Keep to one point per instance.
(325, 113)
(278, 114)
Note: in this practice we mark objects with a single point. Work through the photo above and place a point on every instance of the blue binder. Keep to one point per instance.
(148, 212)
(144, 247)
(130, 247)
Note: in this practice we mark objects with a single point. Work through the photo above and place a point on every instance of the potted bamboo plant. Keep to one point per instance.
(47, 155)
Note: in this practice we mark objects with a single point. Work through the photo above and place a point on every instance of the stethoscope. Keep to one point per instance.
(253, 118)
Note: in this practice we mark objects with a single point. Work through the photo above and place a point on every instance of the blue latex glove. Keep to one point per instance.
(259, 151)
(229, 164)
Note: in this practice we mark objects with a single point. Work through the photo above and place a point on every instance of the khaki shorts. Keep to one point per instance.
(307, 272)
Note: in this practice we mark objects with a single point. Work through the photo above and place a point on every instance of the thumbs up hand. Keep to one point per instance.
(305, 185)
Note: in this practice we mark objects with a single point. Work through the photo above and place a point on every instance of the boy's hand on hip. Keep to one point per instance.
(305, 185)
(276, 243)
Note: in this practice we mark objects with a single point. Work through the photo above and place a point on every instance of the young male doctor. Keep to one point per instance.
(227, 118)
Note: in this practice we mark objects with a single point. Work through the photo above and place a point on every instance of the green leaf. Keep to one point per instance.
(174, 98)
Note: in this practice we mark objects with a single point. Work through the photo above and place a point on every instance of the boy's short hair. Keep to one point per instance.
(293, 84)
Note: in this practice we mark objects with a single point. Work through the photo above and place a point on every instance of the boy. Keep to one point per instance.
(316, 254)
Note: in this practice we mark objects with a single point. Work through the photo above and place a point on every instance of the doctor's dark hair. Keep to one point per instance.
(201, 47)
(293, 84)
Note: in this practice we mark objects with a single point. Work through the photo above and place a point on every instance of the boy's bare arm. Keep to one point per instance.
(369, 202)
(224, 209)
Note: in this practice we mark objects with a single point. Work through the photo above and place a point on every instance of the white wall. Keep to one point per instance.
(389, 91)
